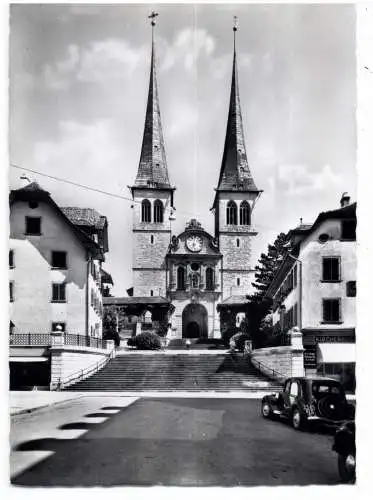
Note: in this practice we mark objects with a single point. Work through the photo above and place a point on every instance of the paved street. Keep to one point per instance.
(117, 440)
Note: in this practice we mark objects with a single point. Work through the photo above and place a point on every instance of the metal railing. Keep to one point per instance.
(267, 370)
(45, 340)
(82, 374)
(84, 340)
(28, 339)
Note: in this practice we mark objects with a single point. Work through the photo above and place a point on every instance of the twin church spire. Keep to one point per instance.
(235, 174)
(152, 171)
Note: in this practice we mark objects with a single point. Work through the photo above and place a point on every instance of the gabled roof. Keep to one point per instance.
(152, 171)
(87, 217)
(34, 192)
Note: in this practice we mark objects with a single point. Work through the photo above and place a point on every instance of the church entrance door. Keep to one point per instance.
(195, 323)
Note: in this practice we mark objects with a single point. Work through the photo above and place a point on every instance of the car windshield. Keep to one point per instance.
(323, 388)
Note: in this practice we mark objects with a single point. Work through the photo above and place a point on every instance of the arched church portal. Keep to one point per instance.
(195, 323)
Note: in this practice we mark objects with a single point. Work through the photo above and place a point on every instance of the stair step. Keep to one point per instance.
(187, 372)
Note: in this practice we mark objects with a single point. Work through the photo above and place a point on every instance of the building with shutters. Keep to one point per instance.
(55, 265)
(315, 290)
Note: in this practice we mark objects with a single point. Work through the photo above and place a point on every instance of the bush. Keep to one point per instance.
(239, 340)
(131, 341)
(228, 333)
(147, 341)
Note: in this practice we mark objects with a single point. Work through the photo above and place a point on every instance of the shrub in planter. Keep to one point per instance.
(147, 341)
(238, 340)
(131, 342)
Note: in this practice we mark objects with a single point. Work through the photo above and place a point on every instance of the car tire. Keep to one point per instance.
(266, 410)
(346, 470)
(297, 420)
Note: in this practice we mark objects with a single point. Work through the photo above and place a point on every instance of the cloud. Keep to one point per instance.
(182, 119)
(188, 46)
(100, 62)
(298, 180)
(79, 149)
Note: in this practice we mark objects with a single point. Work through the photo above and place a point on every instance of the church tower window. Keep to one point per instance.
(244, 214)
(180, 278)
(146, 211)
(158, 211)
(209, 278)
(232, 213)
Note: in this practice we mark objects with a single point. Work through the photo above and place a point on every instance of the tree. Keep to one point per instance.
(260, 306)
(109, 325)
(268, 266)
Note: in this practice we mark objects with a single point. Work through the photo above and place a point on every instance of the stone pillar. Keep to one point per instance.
(58, 341)
(138, 328)
(110, 346)
(297, 350)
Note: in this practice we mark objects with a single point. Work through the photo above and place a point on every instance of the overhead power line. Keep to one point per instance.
(106, 193)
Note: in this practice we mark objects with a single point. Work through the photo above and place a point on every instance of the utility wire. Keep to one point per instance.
(107, 193)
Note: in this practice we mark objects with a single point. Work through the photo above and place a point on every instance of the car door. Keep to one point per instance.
(286, 397)
(291, 396)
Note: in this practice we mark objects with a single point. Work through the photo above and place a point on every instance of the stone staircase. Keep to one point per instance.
(166, 371)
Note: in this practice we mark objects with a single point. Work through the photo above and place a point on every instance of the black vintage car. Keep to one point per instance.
(345, 446)
(306, 400)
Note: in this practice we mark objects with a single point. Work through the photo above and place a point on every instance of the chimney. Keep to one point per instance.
(25, 181)
(345, 200)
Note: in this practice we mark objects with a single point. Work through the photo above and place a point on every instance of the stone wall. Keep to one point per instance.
(281, 362)
(68, 360)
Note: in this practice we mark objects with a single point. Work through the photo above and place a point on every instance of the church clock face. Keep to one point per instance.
(194, 243)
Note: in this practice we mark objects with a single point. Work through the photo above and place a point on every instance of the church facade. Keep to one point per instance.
(194, 271)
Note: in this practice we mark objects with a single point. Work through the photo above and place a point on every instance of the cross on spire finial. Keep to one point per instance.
(152, 16)
(235, 23)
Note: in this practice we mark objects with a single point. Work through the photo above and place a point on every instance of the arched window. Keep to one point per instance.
(245, 214)
(151, 293)
(146, 210)
(209, 278)
(158, 211)
(180, 278)
(238, 242)
(232, 213)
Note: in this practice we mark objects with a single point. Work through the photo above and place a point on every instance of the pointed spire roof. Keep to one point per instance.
(152, 171)
(235, 174)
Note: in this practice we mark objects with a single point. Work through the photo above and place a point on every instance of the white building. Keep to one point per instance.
(315, 290)
(55, 259)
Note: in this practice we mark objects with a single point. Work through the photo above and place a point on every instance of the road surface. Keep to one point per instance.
(117, 441)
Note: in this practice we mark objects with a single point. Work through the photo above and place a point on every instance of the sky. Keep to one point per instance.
(78, 88)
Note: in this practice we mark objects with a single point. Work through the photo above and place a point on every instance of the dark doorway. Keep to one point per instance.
(195, 323)
(192, 330)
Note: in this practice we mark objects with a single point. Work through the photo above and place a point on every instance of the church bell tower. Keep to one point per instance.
(153, 199)
(235, 198)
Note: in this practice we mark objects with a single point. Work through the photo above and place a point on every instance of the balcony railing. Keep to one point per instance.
(45, 340)
(35, 339)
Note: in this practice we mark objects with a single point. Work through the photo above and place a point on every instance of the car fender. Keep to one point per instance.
(271, 399)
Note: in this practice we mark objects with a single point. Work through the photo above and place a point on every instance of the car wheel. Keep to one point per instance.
(266, 410)
(297, 419)
(346, 468)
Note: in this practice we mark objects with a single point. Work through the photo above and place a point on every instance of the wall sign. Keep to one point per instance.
(333, 338)
(309, 357)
